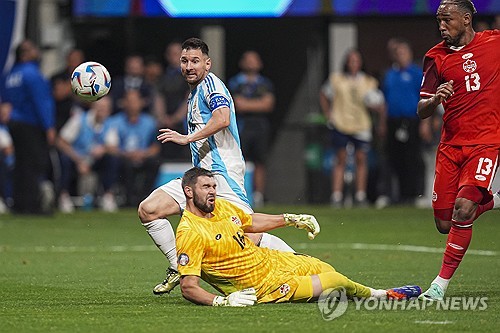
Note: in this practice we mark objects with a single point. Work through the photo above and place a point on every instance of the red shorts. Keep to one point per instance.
(457, 166)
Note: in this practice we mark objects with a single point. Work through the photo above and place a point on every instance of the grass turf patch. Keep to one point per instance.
(94, 272)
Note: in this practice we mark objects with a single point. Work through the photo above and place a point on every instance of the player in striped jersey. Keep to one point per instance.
(212, 245)
(215, 145)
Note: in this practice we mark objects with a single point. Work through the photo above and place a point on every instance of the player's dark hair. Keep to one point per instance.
(195, 44)
(191, 176)
(464, 5)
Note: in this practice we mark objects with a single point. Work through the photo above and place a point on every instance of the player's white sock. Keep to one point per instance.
(496, 200)
(163, 235)
(443, 283)
(275, 243)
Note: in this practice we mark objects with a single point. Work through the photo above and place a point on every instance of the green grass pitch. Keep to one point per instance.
(94, 272)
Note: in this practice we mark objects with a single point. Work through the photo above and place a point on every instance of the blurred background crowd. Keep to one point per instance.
(325, 101)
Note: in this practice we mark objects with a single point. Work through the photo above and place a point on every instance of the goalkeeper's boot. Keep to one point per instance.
(434, 293)
(404, 292)
(170, 282)
(496, 200)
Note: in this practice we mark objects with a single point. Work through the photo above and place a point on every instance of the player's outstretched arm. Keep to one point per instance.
(265, 222)
(191, 290)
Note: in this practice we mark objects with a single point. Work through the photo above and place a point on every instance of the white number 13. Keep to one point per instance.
(484, 166)
(474, 77)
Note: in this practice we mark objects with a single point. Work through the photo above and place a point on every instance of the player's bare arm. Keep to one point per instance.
(191, 290)
(220, 120)
(427, 106)
(265, 222)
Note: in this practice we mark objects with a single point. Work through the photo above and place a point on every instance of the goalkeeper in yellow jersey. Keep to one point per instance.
(212, 245)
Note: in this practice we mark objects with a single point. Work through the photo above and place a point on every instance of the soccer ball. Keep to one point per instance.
(90, 81)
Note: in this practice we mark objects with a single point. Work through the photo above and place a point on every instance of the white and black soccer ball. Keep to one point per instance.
(90, 81)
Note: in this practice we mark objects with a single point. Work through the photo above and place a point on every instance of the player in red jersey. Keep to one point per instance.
(463, 74)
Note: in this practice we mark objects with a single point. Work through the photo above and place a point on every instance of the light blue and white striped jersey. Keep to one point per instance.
(221, 152)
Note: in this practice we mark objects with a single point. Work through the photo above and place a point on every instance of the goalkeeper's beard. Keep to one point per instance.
(203, 204)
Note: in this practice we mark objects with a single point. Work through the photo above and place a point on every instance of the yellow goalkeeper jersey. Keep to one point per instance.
(218, 251)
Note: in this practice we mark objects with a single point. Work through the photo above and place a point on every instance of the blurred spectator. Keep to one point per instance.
(61, 87)
(66, 104)
(392, 46)
(136, 145)
(254, 100)
(401, 88)
(6, 166)
(133, 79)
(84, 151)
(74, 58)
(171, 104)
(153, 71)
(27, 97)
(346, 100)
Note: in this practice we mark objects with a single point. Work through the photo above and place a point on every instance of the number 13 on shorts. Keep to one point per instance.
(459, 166)
(484, 168)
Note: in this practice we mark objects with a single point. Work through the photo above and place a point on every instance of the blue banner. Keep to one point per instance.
(266, 8)
(12, 20)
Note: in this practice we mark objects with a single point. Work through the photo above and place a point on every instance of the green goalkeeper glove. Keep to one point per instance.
(303, 221)
(245, 297)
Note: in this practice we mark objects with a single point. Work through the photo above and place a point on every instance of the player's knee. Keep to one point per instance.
(464, 210)
(442, 226)
(442, 217)
(147, 210)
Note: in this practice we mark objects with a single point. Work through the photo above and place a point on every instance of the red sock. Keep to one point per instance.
(484, 208)
(456, 245)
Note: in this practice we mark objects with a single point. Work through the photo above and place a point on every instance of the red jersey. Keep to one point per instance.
(472, 113)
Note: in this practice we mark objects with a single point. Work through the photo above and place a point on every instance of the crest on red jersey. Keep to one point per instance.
(469, 66)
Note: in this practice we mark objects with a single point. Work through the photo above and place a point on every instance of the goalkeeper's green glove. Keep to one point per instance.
(245, 297)
(303, 221)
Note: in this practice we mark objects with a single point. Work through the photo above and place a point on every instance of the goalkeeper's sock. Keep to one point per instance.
(335, 280)
(163, 236)
(274, 243)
